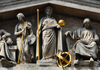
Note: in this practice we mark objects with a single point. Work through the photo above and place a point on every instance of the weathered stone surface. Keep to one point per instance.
(69, 12)
(33, 67)
(87, 63)
(5, 63)
(25, 67)
(91, 3)
(66, 8)
(13, 50)
(47, 63)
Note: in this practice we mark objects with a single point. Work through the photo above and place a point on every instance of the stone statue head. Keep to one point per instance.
(20, 16)
(9, 41)
(48, 11)
(86, 23)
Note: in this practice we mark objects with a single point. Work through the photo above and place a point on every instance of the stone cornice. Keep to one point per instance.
(92, 3)
(60, 7)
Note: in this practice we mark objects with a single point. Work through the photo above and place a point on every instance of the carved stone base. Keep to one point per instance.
(47, 63)
(87, 63)
(34, 67)
(6, 63)
(27, 66)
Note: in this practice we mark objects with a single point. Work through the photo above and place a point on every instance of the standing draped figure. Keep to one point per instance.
(28, 39)
(49, 29)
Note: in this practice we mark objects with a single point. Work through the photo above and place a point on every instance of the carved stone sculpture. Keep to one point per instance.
(49, 29)
(28, 38)
(86, 44)
(5, 54)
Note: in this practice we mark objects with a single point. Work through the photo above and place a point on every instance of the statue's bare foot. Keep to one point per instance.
(76, 62)
(43, 59)
(91, 61)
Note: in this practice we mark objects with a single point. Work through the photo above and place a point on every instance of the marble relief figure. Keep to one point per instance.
(5, 54)
(49, 32)
(28, 38)
(86, 44)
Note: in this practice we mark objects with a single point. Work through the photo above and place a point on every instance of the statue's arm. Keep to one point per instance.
(1, 45)
(40, 25)
(6, 34)
(16, 32)
(57, 25)
(70, 34)
(67, 33)
(74, 34)
(96, 37)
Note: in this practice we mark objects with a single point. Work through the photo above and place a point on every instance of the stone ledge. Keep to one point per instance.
(92, 3)
(35, 67)
(47, 63)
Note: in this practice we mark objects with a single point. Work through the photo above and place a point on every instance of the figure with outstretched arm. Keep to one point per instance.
(86, 44)
(5, 54)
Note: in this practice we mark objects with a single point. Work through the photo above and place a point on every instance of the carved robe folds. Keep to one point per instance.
(86, 44)
(51, 37)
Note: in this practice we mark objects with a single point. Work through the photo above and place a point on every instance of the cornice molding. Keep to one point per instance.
(60, 7)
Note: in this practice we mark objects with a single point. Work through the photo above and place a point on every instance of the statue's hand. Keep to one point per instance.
(23, 29)
(58, 26)
(4, 36)
(9, 41)
(68, 32)
(91, 41)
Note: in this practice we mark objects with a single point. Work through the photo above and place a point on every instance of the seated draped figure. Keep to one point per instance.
(5, 54)
(86, 44)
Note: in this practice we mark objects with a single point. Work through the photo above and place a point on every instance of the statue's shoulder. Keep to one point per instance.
(82, 28)
(79, 29)
(17, 24)
(53, 18)
(94, 30)
(2, 42)
(43, 18)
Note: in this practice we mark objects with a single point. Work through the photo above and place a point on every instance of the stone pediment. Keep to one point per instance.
(59, 7)
(29, 8)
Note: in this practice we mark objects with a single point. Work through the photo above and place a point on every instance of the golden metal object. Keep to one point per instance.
(21, 43)
(61, 22)
(38, 33)
(62, 59)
